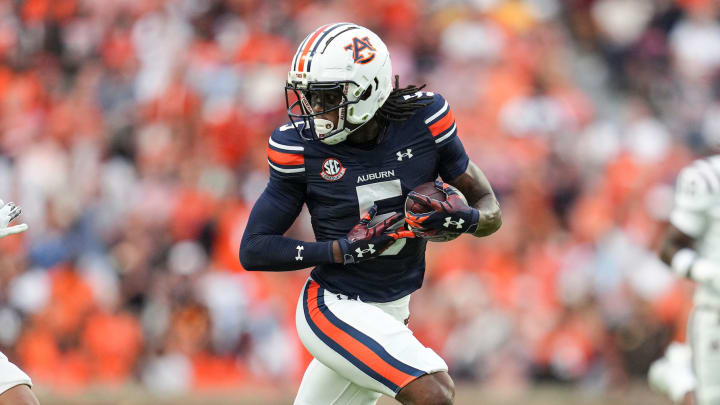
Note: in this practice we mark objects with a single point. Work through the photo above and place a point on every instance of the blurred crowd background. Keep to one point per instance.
(133, 134)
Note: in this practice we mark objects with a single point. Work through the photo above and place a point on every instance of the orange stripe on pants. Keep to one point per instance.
(354, 347)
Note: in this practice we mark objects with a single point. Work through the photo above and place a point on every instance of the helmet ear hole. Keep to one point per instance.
(366, 94)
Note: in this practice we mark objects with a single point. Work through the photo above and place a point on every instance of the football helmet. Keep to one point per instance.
(339, 67)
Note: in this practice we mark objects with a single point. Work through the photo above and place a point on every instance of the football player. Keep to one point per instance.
(14, 383)
(353, 150)
(691, 248)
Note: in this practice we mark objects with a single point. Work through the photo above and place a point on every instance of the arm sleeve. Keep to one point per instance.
(694, 193)
(452, 159)
(263, 245)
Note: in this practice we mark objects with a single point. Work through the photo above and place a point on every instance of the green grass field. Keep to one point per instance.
(636, 394)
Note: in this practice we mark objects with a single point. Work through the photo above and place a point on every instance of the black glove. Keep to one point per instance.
(450, 217)
(365, 242)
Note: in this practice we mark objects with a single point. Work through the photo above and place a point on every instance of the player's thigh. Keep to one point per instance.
(436, 388)
(14, 384)
(322, 386)
(705, 341)
(361, 342)
(18, 395)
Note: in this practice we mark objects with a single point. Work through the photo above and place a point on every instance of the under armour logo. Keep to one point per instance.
(401, 155)
(361, 252)
(417, 94)
(299, 255)
(449, 221)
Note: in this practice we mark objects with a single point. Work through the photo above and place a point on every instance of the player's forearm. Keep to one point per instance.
(479, 194)
(490, 218)
(260, 252)
(263, 246)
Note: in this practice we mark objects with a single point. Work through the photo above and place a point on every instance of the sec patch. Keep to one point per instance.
(332, 170)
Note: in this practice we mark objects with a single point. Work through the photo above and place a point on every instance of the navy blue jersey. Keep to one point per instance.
(339, 183)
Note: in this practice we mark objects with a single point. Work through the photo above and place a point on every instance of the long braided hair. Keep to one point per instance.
(398, 107)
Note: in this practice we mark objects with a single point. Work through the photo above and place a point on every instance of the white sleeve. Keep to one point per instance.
(696, 189)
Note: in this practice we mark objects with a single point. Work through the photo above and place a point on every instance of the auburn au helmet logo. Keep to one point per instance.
(362, 49)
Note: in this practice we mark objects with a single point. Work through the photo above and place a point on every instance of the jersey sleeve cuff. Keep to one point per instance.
(448, 174)
(318, 252)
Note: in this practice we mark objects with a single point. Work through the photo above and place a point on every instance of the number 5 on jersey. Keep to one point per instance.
(369, 194)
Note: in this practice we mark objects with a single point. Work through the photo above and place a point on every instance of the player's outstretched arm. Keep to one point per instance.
(479, 194)
(263, 245)
(8, 212)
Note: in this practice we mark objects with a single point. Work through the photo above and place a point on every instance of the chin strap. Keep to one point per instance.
(324, 127)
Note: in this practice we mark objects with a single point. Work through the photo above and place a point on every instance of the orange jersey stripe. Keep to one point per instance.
(301, 65)
(443, 125)
(357, 349)
(283, 158)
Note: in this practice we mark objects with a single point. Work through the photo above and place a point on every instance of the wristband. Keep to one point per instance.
(475, 221)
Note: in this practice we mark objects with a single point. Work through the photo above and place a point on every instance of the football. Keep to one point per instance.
(415, 208)
(429, 190)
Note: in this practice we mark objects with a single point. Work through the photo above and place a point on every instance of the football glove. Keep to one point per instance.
(452, 216)
(365, 242)
(8, 212)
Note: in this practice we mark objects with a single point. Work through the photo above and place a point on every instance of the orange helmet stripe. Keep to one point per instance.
(308, 45)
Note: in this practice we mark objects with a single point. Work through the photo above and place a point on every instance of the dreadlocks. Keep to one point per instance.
(398, 107)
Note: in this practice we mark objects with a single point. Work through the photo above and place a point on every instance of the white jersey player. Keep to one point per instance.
(14, 383)
(692, 249)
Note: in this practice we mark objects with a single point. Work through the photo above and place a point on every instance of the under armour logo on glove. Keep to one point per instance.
(450, 216)
(449, 221)
(369, 250)
(365, 242)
